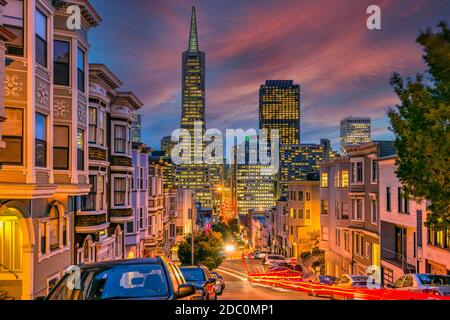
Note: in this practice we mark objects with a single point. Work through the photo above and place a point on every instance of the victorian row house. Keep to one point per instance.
(44, 155)
(369, 222)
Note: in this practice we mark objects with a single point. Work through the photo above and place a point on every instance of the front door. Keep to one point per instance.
(10, 247)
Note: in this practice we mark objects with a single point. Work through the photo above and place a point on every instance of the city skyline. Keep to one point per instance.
(341, 71)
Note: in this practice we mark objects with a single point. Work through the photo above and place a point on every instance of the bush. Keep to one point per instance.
(305, 255)
(208, 250)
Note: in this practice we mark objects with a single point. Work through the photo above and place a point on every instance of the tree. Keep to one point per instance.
(421, 127)
(312, 241)
(229, 230)
(207, 249)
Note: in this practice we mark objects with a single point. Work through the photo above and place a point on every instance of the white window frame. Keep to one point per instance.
(372, 201)
(371, 171)
(354, 215)
(127, 137)
(128, 202)
(354, 173)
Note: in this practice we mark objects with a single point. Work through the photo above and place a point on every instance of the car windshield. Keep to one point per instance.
(434, 280)
(193, 274)
(117, 282)
(276, 257)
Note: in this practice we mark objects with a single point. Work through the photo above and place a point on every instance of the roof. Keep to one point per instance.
(105, 74)
(107, 264)
(130, 98)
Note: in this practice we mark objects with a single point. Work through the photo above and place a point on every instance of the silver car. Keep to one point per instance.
(425, 283)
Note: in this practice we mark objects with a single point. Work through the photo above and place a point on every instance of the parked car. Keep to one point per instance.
(353, 281)
(220, 282)
(271, 259)
(259, 255)
(424, 282)
(328, 280)
(201, 278)
(321, 280)
(137, 279)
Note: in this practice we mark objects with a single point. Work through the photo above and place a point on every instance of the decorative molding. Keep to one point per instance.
(13, 86)
(42, 92)
(61, 109)
(81, 113)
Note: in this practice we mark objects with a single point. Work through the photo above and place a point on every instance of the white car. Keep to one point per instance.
(353, 281)
(272, 259)
(424, 282)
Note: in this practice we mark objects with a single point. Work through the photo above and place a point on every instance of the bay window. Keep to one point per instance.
(120, 139)
(357, 209)
(40, 144)
(80, 70)
(60, 147)
(61, 63)
(120, 190)
(357, 172)
(80, 149)
(92, 125)
(54, 228)
(88, 203)
(13, 15)
(41, 38)
(344, 183)
(13, 136)
(101, 191)
(101, 128)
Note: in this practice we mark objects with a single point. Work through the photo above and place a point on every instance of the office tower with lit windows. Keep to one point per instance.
(279, 108)
(136, 128)
(194, 176)
(253, 185)
(299, 163)
(354, 131)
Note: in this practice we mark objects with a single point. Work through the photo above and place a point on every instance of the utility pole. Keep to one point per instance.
(192, 238)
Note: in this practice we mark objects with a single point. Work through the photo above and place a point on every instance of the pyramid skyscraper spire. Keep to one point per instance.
(193, 38)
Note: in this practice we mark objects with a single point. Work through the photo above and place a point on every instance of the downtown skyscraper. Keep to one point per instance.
(194, 175)
(354, 131)
(279, 108)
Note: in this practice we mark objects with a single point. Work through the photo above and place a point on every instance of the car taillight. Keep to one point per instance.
(431, 291)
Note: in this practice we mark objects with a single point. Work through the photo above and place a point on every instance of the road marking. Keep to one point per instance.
(231, 274)
(232, 270)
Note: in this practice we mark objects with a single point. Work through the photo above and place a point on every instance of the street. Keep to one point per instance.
(237, 287)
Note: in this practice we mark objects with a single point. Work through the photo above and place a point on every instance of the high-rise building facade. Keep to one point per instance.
(253, 183)
(279, 108)
(136, 128)
(301, 163)
(354, 131)
(193, 175)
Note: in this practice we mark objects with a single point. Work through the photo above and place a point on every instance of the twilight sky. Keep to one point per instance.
(323, 45)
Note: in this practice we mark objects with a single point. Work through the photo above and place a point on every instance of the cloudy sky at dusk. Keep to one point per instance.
(343, 68)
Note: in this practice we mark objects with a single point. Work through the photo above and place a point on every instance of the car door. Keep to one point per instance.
(210, 286)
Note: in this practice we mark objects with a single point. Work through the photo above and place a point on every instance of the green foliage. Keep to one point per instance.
(421, 127)
(207, 249)
(229, 231)
(305, 255)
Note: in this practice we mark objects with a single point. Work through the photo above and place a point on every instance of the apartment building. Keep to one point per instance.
(170, 222)
(304, 214)
(136, 230)
(336, 235)
(280, 228)
(44, 139)
(407, 245)
(186, 217)
(364, 202)
(154, 243)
